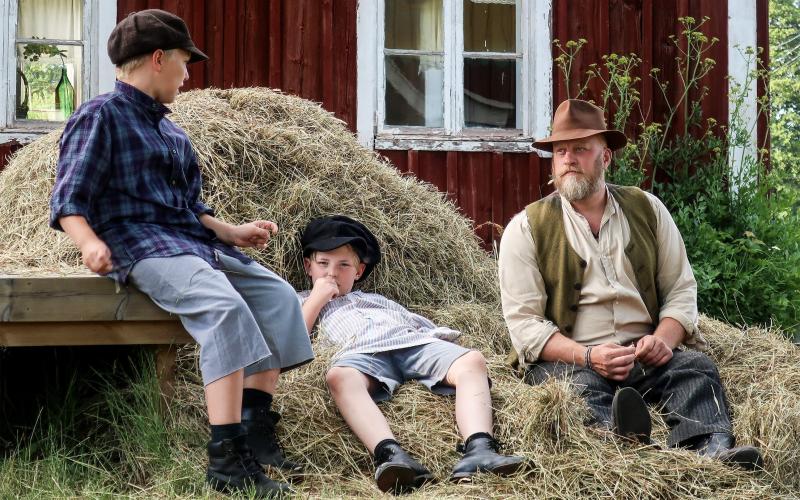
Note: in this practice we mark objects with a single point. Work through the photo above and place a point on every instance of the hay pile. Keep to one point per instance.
(269, 155)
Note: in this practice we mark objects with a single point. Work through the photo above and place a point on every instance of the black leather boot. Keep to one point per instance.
(722, 446)
(260, 425)
(232, 469)
(630, 416)
(481, 455)
(395, 469)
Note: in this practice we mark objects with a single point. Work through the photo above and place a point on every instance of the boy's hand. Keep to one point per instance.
(253, 234)
(324, 290)
(96, 256)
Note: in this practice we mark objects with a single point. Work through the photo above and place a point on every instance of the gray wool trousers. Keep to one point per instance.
(241, 315)
(687, 388)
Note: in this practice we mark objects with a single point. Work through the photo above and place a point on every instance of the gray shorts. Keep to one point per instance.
(428, 364)
(242, 315)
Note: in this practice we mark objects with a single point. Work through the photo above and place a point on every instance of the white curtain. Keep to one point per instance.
(59, 19)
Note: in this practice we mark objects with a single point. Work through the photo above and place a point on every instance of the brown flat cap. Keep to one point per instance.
(148, 30)
(576, 119)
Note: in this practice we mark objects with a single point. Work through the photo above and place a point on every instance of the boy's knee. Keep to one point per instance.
(474, 361)
(339, 377)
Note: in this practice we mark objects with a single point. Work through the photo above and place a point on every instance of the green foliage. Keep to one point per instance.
(120, 440)
(784, 89)
(741, 234)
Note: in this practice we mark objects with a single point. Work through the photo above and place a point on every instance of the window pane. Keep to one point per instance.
(414, 91)
(490, 26)
(54, 19)
(48, 81)
(490, 92)
(414, 25)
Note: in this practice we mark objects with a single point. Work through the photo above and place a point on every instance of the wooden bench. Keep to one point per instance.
(88, 310)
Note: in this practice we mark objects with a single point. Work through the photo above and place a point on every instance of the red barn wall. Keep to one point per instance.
(308, 48)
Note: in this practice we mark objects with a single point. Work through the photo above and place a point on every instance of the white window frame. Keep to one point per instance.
(98, 76)
(534, 91)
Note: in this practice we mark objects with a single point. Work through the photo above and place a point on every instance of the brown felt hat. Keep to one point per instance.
(148, 30)
(576, 119)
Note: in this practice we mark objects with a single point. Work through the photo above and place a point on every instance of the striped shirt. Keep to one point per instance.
(368, 323)
(133, 175)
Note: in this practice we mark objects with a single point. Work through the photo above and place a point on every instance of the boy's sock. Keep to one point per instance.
(378, 453)
(253, 398)
(475, 436)
(226, 431)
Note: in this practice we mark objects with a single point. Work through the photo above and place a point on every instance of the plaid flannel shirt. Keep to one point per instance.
(133, 175)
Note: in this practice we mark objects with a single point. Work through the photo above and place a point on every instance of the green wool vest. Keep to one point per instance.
(562, 269)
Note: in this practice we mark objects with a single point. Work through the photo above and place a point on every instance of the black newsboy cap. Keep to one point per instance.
(148, 30)
(328, 233)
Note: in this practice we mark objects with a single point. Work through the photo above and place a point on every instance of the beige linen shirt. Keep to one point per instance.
(610, 308)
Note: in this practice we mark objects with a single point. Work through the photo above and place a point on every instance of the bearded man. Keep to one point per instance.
(596, 288)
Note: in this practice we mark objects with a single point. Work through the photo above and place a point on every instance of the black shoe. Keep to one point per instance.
(481, 455)
(396, 471)
(630, 416)
(259, 424)
(232, 469)
(721, 446)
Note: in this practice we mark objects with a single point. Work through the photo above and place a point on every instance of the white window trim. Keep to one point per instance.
(536, 105)
(742, 35)
(100, 17)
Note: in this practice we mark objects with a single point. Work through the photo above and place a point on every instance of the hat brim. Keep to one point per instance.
(329, 244)
(197, 55)
(614, 138)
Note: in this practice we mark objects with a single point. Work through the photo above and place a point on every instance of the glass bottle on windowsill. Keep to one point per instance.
(65, 95)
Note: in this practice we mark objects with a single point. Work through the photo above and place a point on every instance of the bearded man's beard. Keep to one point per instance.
(581, 186)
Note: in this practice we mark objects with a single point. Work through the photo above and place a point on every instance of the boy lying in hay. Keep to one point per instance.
(381, 345)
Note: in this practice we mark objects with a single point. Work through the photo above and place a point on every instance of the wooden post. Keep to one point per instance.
(165, 356)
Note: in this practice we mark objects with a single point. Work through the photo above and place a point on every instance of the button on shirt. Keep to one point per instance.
(610, 308)
(366, 323)
(133, 175)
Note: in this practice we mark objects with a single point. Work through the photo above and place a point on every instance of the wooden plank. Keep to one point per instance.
(413, 162)
(762, 39)
(215, 29)
(92, 333)
(345, 69)
(274, 38)
(452, 176)
(433, 168)
(165, 372)
(327, 61)
(497, 194)
(85, 298)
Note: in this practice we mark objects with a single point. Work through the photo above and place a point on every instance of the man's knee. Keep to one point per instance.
(694, 360)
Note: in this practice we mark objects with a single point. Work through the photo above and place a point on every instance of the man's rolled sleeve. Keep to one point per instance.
(82, 170)
(676, 283)
(522, 291)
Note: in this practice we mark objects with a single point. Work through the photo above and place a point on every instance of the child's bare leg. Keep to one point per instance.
(224, 399)
(350, 389)
(266, 381)
(469, 376)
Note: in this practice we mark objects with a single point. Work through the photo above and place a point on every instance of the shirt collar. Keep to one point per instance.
(139, 97)
(610, 209)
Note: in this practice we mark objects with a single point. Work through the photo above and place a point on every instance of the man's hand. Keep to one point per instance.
(253, 234)
(324, 290)
(613, 361)
(653, 351)
(96, 256)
